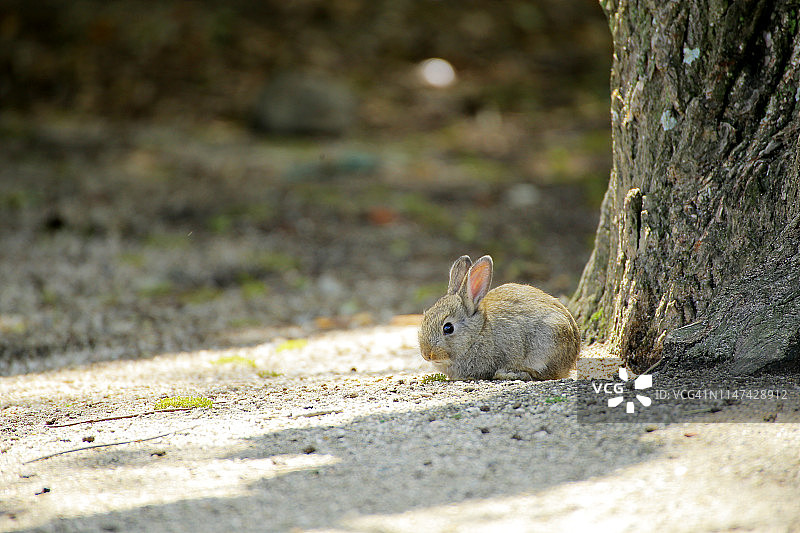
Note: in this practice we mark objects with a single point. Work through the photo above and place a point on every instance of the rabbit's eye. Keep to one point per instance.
(447, 329)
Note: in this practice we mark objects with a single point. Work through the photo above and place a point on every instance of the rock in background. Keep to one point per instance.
(305, 104)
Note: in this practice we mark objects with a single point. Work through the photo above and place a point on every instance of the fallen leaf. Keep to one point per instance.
(381, 216)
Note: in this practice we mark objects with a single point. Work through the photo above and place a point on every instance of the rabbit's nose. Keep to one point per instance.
(426, 352)
(434, 355)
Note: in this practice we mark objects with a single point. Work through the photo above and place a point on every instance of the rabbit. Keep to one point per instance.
(511, 332)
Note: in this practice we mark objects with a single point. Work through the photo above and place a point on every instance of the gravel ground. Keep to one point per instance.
(351, 437)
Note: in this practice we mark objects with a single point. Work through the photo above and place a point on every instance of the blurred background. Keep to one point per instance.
(176, 175)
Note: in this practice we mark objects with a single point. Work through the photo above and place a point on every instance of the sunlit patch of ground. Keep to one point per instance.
(596, 362)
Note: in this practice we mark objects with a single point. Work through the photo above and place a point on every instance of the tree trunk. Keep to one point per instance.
(696, 254)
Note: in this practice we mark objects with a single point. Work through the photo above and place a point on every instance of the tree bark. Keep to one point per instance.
(696, 254)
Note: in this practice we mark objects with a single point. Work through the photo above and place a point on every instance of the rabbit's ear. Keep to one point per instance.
(478, 280)
(458, 272)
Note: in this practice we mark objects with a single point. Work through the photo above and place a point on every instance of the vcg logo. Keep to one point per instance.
(644, 381)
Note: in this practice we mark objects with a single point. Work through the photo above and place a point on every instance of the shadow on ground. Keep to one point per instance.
(327, 475)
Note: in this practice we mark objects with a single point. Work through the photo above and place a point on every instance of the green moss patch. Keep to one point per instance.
(555, 399)
(430, 378)
(293, 344)
(184, 402)
(235, 360)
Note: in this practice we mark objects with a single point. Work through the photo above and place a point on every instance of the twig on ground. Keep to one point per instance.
(106, 445)
(703, 410)
(661, 360)
(120, 417)
(315, 413)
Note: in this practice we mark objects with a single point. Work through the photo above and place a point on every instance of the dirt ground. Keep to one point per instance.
(352, 437)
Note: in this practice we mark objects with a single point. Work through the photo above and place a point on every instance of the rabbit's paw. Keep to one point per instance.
(505, 373)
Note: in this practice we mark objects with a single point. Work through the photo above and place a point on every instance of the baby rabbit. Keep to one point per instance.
(511, 332)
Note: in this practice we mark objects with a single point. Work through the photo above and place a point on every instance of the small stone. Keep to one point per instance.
(516, 436)
(159, 453)
(324, 322)
(650, 428)
(522, 196)
(330, 286)
(516, 405)
(469, 389)
(309, 449)
(301, 104)
(485, 430)
(485, 408)
(88, 438)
